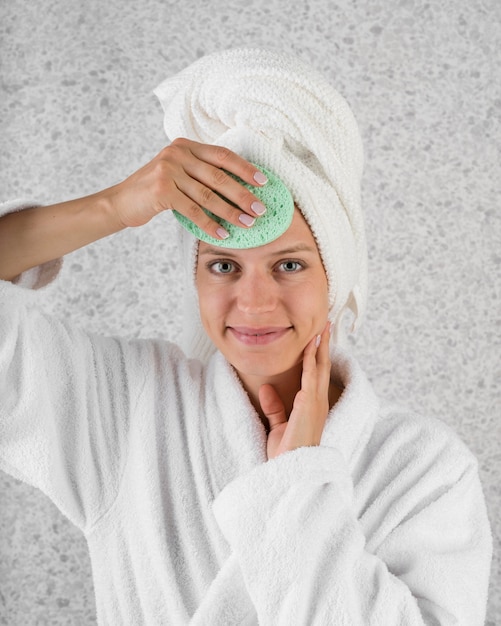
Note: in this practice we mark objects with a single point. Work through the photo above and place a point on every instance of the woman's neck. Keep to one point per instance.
(286, 385)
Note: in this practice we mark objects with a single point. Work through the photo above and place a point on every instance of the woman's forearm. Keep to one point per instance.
(34, 236)
(185, 175)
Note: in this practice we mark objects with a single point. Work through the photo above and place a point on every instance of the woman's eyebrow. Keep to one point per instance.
(216, 252)
(299, 247)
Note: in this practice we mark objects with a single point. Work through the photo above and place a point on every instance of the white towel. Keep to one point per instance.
(275, 110)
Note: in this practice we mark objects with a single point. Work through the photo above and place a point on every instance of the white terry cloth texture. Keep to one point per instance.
(275, 110)
(162, 463)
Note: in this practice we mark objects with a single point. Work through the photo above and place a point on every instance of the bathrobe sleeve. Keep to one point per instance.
(65, 398)
(65, 401)
(419, 553)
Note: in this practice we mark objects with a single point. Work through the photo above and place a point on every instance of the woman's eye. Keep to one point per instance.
(222, 267)
(290, 266)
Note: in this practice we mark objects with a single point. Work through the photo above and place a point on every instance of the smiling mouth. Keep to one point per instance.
(258, 336)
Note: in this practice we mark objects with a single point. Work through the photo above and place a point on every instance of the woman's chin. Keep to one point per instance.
(261, 364)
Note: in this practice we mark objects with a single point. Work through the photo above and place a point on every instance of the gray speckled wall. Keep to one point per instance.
(77, 114)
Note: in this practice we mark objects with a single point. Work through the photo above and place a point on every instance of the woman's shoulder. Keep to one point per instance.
(408, 434)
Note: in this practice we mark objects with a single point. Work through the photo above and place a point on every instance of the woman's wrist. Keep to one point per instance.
(103, 212)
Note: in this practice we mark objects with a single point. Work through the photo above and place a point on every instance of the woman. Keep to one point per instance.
(255, 477)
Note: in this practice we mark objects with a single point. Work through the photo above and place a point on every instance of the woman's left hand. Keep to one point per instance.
(311, 404)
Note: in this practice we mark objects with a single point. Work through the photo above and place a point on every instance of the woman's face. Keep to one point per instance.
(261, 306)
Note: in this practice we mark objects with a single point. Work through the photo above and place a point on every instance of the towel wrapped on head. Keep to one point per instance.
(273, 109)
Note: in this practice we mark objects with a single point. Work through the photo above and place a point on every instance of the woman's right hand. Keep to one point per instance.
(185, 176)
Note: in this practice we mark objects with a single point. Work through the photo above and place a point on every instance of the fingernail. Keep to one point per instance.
(317, 340)
(258, 208)
(223, 234)
(260, 178)
(246, 219)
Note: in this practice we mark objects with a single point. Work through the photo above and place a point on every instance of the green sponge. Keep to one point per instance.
(279, 211)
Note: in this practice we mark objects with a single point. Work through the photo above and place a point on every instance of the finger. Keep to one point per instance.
(309, 373)
(224, 158)
(316, 360)
(209, 199)
(322, 355)
(200, 177)
(223, 191)
(272, 405)
(323, 361)
(208, 169)
(193, 211)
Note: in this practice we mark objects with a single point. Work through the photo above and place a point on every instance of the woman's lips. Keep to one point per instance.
(258, 336)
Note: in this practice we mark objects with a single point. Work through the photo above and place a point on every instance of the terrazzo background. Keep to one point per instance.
(77, 114)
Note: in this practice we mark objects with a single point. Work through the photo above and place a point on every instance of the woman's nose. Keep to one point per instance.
(257, 294)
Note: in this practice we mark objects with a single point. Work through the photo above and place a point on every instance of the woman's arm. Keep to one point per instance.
(34, 236)
(184, 176)
(68, 400)
(418, 553)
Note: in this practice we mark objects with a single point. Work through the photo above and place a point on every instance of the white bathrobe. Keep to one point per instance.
(162, 463)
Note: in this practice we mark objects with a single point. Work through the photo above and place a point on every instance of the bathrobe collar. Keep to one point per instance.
(239, 437)
(237, 440)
